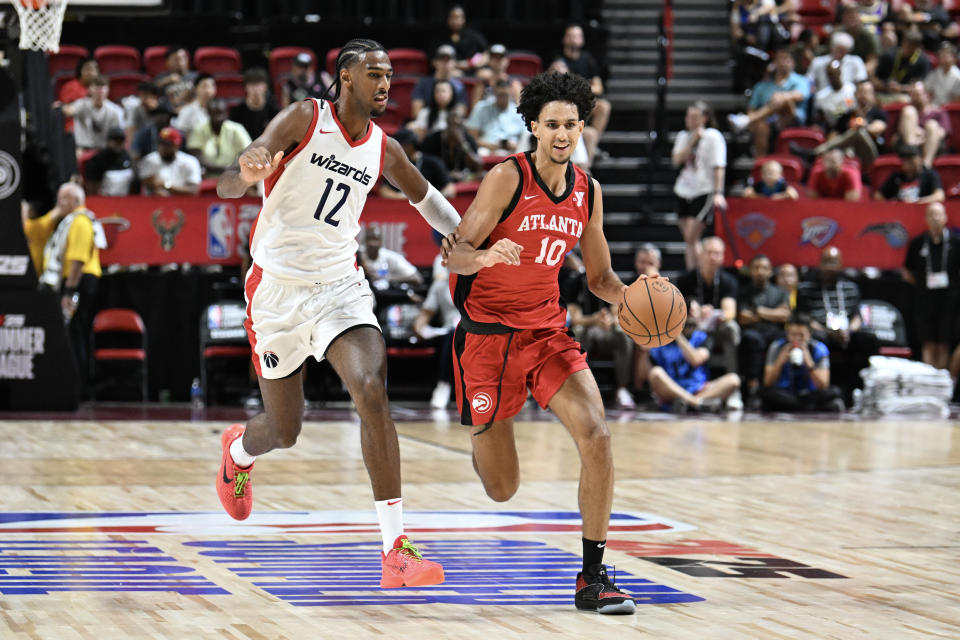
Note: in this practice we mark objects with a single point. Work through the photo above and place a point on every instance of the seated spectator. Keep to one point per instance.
(195, 113)
(797, 373)
(384, 267)
(495, 123)
(860, 130)
(93, 116)
(444, 68)
(711, 295)
(303, 83)
(772, 184)
(897, 69)
(805, 50)
(923, 124)
(873, 13)
(943, 83)
(169, 171)
(833, 303)
(679, 378)
(110, 172)
(434, 117)
(932, 266)
(752, 23)
(146, 139)
(137, 108)
(787, 279)
(866, 45)
(258, 106)
(763, 307)
(78, 87)
(439, 302)
(583, 64)
(595, 326)
(218, 142)
(934, 22)
(429, 165)
(913, 182)
(832, 178)
(833, 101)
(455, 147)
(775, 104)
(176, 80)
(852, 69)
(469, 45)
(494, 72)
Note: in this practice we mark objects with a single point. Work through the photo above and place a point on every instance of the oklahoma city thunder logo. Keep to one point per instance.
(270, 359)
(481, 403)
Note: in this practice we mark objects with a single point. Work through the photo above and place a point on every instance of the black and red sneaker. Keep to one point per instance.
(596, 592)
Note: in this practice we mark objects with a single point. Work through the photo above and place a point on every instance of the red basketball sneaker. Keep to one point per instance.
(596, 592)
(405, 567)
(233, 482)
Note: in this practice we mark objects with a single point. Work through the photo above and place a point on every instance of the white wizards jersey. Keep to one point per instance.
(307, 229)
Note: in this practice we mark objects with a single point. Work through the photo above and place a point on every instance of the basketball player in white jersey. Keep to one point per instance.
(305, 294)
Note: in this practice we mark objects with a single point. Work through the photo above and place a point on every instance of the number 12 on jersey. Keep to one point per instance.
(345, 188)
(553, 255)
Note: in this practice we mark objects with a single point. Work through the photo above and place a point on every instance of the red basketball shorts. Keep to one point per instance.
(492, 372)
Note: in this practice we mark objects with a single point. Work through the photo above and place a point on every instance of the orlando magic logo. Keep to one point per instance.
(893, 232)
(270, 360)
(755, 229)
(818, 231)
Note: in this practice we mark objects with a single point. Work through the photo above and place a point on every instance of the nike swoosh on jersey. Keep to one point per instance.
(322, 131)
(528, 197)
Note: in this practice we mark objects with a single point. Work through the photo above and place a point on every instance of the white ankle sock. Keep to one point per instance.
(390, 515)
(240, 456)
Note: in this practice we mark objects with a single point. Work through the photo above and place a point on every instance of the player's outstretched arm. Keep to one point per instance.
(435, 209)
(262, 157)
(601, 278)
(494, 196)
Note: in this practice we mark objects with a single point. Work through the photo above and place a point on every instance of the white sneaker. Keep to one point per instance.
(739, 121)
(441, 396)
(624, 399)
(735, 401)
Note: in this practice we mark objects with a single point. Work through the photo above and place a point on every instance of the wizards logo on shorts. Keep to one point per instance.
(481, 403)
(755, 229)
(270, 359)
(818, 231)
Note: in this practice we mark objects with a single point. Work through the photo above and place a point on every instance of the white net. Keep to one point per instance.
(40, 23)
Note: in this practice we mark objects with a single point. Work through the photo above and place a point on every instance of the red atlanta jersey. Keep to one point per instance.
(527, 296)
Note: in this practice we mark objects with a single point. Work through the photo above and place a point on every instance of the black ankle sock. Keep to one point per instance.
(592, 552)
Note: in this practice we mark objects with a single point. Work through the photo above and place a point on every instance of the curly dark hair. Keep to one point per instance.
(552, 86)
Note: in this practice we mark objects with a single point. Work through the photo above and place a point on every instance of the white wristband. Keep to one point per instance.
(438, 211)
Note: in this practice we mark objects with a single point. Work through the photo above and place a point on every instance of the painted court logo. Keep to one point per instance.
(270, 360)
(481, 403)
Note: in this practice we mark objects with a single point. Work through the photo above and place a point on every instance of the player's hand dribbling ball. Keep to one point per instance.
(652, 312)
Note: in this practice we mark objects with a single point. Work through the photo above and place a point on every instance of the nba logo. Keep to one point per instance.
(220, 230)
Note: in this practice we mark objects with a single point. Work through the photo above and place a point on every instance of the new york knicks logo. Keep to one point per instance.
(481, 403)
(270, 360)
(818, 230)
(755, 229)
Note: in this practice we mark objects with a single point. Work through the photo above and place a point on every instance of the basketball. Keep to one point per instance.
(653, 312)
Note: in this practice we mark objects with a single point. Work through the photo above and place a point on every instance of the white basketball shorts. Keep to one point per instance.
(288, 321)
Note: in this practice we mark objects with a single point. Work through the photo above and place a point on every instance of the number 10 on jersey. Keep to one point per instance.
(329, 219)
(553, 254)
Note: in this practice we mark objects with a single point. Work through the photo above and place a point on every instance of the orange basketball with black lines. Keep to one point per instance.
(652, 312)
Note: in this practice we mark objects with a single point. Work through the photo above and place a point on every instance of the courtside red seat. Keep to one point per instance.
(524, 64)
(792, 167)
(806, 137)
(217, 60)
(154, 62)
(66, 59)
(281, 59)
(119, 337)
(230, 86)
(401, 89)
(223, 341)
(409, 62)
(125, 84)
(882, 167)
(117, 58)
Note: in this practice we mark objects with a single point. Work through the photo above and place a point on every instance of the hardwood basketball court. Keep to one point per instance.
(110, 528)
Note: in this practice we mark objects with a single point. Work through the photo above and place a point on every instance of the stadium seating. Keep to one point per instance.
(66, 60)
(331, 61)
(948, 167)
(217, 60)
(281, 59)
(792, 167)
(893, 110)
(882, 167)
(806, 137)
(392, 119)
(230, 85)
(124, 331)
(409, 62)
(953, 112)
(400, 91)
(154, 62)
(125, 84)
(524, 64)
(117, 58)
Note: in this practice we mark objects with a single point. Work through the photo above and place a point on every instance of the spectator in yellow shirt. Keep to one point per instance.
(218, 141)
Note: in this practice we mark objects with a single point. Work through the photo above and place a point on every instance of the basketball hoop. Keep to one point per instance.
(40, 23)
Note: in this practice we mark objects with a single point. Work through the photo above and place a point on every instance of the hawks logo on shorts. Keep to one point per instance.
(481, 403)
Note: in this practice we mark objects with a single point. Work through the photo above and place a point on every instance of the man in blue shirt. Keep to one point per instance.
(680, 377)
(495, 123)
(797, 374)
(776, 103)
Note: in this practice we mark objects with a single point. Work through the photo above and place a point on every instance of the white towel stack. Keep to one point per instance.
(894, 386)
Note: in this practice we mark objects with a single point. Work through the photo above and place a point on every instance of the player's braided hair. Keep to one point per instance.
(350, 53)
(551, 86)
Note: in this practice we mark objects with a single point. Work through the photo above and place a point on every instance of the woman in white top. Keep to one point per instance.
(700, 152)
(434, 117)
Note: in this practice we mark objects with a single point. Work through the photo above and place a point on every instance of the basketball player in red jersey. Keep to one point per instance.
(529, 212)
(305, 294)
